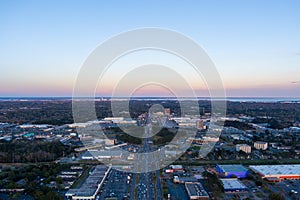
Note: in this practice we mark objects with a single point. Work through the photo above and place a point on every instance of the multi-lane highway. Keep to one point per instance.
(146, 185)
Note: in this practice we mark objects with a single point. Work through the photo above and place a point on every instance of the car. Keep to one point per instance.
(294, 192)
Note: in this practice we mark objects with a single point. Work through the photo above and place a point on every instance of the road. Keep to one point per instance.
(146, 185)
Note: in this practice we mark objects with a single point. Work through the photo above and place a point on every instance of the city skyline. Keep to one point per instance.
(253, 44)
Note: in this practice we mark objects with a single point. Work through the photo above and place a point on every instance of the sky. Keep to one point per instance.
(255, 45)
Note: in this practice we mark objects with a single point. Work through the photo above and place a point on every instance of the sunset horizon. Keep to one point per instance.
(41, 52)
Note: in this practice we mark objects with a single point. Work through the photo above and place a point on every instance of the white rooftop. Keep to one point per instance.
(232, 184)
(269, 170)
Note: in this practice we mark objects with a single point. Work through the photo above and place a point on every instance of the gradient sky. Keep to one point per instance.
(255, 44)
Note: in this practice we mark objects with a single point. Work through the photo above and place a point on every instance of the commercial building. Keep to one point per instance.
(100, 154)
(110, 141)
(243, 147)
(178, 179)
(196, 191)
(200, 125)
(203, 140)
(167, 111)
(261, 145)
(233, 185)
(175, 168)
(230, 171)
(275, 173)
(185, 121)
(91, 186)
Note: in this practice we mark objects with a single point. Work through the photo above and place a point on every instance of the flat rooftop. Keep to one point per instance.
(108, 153)
(185, 179)
(260, 142)
(276, 170)
(91, 183)
(233, 168)
(176, 166)
(195, 189)
(233, 184)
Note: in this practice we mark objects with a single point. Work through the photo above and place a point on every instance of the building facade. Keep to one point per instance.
(260, 145)
(232, 171)
(243, 147)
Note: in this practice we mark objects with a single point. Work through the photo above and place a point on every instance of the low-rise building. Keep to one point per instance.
(177, 168)
(178, 179)
(196, 191)
(100, 154)
(230, 171)
(277, 172)
(243, 147)
(91, 186)
(200, 125)
(233, 185)
(260, 145)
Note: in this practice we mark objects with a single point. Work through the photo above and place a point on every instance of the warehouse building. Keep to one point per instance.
(178, 179)
(275, 173)
(230, 171)
(233, 185)
(91, 186)
(101, 154)
(196, 191)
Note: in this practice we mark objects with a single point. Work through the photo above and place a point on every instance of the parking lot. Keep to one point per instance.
(289, 188)
(177, 191)
(117, 185)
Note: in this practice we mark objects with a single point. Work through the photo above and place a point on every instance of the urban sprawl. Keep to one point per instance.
(254, 152)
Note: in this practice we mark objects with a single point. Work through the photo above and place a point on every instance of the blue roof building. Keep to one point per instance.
(232, 171)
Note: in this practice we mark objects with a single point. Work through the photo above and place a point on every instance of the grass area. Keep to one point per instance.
(136, 189)
(164, 136)
(135, 193)
(154, 181)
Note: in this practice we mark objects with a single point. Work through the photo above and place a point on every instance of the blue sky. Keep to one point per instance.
(255, 45)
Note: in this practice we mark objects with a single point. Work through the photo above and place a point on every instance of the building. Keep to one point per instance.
(110, 141)
(275, 173)
(95, 154)
(178, 179)
(115, 120)
(200, 125)
(243, 147)
(230, 171)
(233, 185)
(196, 191)
(91, 186)
(177, 168)
(260, 145)
(203, 140)
(185, 121)
(167, 111)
